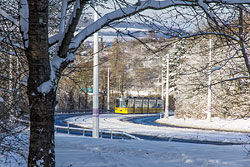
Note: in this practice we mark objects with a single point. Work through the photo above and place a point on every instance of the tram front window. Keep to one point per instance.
(122, 104)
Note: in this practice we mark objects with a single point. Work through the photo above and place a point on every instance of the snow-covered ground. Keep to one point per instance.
(82, 151)
(235, 125)
(114, 122)
(79, 151)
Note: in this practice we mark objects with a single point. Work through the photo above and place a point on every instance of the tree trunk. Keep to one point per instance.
(41, 148)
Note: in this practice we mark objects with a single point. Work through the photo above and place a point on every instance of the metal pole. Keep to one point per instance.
(167, 90)
(108, 107)
(95, 133)
(209, 94)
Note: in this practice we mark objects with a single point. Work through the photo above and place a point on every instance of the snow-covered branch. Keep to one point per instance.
(235, 38)
(55, 38)
(6, 77)
(65, 39)
(155, 5)
(55, 66)
(9, 17)
(231, 79)
(122, 13)
(61, 59)
(7, 41)
(24, 21)
(61, 34)
(63, 15)
(229, 2)
(208, 12)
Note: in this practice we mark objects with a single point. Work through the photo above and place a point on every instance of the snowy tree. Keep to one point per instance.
(49, 43)
(229, 99)
(13, 102)
(77, 79)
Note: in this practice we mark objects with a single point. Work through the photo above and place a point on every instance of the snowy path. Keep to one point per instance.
(113, 122)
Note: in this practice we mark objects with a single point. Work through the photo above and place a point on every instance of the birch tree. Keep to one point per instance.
(49, 48)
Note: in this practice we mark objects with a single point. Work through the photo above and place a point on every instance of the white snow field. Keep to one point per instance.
(80, 151)
(83, 151)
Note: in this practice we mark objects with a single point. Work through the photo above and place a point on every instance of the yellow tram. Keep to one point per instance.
(138, 105)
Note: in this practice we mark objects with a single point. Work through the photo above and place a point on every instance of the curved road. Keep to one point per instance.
(145, 120)
(59, 118)
(148, 120)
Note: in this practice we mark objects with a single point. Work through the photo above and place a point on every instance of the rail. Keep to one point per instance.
(88, 132)
(102, 133)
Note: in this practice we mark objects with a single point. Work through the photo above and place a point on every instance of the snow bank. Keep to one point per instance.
(237, 125)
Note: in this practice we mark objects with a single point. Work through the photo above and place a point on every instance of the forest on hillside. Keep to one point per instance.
(137, 68)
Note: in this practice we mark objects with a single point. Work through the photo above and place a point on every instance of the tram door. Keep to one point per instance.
(152, 106)
(131, 106)
(138, 106)
(145, 106)
(159, 106)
